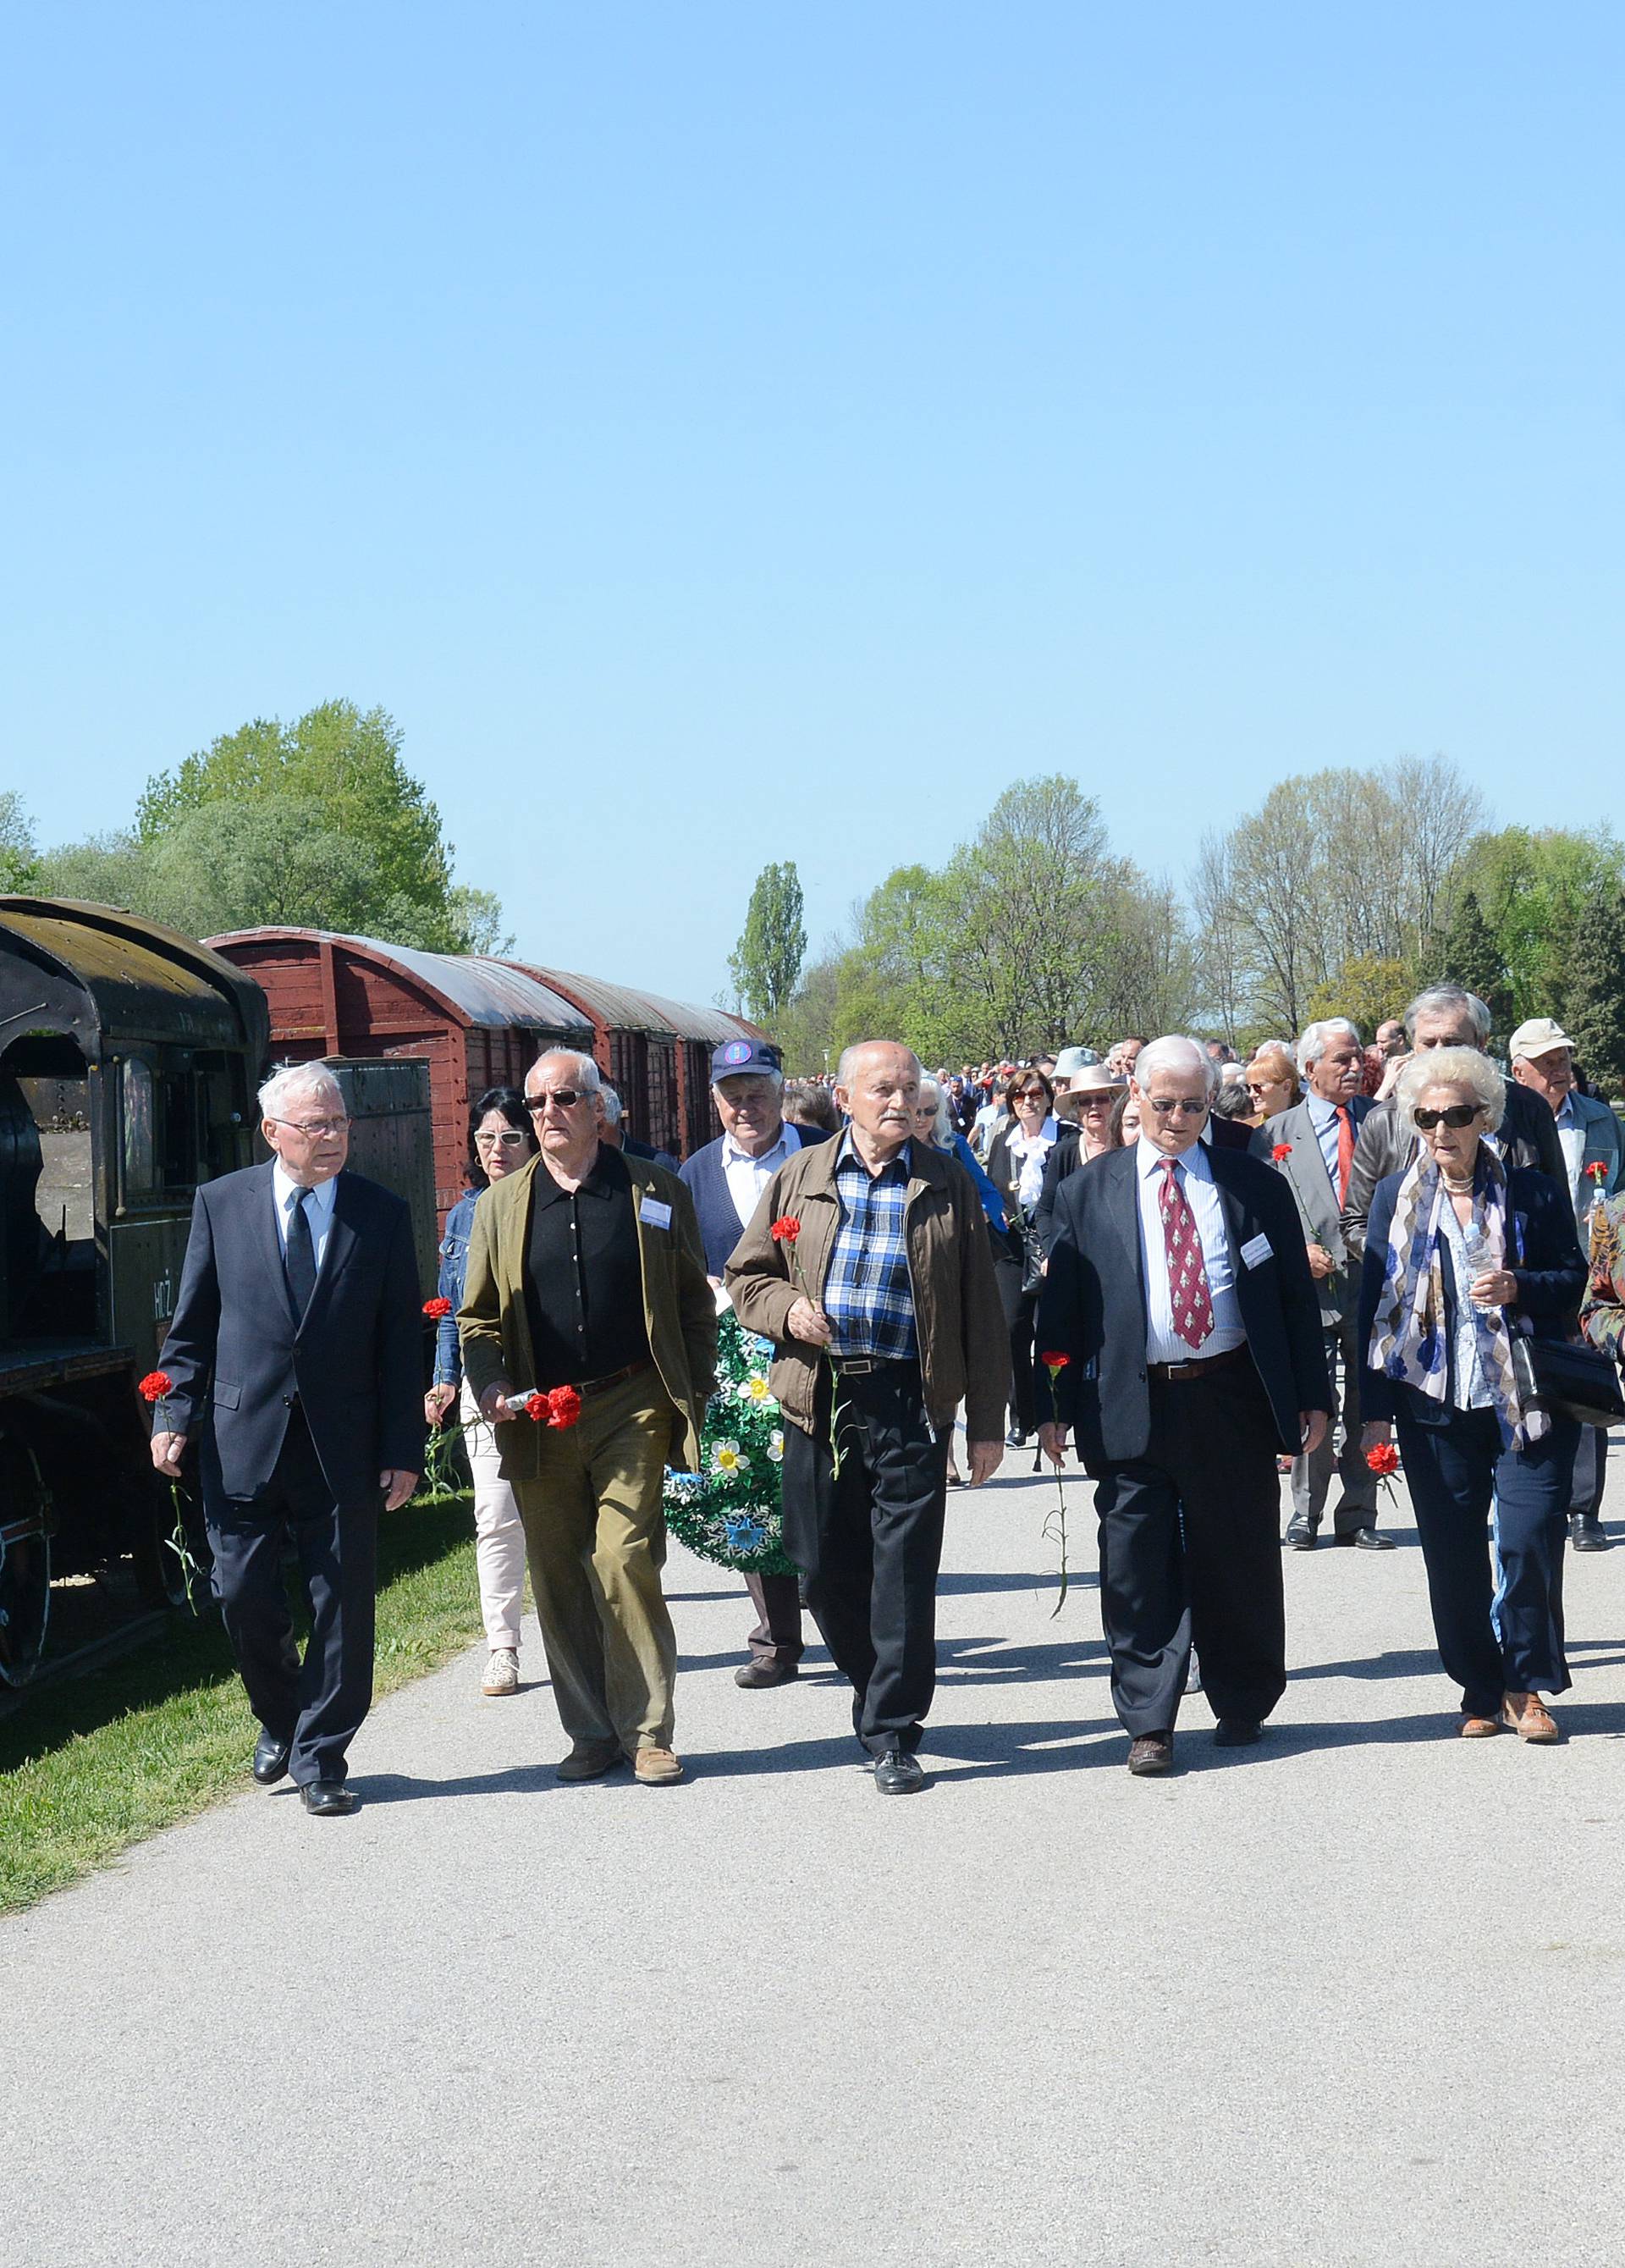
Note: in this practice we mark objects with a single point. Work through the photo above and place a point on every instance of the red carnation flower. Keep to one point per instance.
(538, 1409)
(437, 1309)
(1383, 1460)
(1055, 1361)
(1281, 1150)
(1598, 1170)
(785, 1230)
(565, 1405)
(155, 1385)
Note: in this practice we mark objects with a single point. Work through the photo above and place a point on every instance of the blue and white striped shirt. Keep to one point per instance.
(867, 1294)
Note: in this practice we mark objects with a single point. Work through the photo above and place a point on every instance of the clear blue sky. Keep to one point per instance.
(723, 433)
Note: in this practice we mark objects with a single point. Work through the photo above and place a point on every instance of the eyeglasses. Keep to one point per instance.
(1187, 1106)
(1096, 1102)
(565, 1097)
(513, 1140)
(313, 1125)
(1031, 1094)
(1459, 1115)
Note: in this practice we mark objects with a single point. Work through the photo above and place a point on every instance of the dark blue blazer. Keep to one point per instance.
(720, 1225)
(1092, 1307)
(238, 1355)
(1545, 1260)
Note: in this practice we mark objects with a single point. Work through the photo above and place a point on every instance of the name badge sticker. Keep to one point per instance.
(658, 1215)
(1255, 1251)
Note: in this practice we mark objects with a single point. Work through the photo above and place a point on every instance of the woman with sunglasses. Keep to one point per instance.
(1459, 1253)
(500, 1141)
(1016, 1159)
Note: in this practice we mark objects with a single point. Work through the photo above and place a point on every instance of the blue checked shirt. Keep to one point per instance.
(867, 1295)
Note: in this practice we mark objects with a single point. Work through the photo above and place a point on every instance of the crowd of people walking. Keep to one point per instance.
(1195, 1275)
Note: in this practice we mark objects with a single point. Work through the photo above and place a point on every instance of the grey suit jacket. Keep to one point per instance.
(1303, 1171)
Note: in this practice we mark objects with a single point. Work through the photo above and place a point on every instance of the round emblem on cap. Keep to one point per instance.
(737, 1051)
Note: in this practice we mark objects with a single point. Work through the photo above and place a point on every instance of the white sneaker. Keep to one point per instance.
(502, 1672)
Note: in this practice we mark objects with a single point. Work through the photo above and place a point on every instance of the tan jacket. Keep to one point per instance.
(679, 1307)
(964, 1344)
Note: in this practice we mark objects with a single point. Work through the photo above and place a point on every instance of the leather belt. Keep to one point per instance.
(588, 1387)
(860, 1365)
(1164, 1371)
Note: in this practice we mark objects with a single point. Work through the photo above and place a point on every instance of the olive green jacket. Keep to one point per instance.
(679, 1307)
(958, 1316)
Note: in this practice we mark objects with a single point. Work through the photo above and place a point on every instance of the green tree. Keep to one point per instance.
(1472, 957)
(1594, 1016)
(1368, 989)
(105, 870)
(1532, 885)
(343, 764)
(477, 916)
(20, 855)
(767, 960)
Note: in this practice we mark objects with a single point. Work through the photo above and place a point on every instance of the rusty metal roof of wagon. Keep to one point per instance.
(147, 981)
(626, 1009)
(476, 990)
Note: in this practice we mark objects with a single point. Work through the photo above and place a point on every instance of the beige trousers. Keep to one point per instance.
(595, 1538)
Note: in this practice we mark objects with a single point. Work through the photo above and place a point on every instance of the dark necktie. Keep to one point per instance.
(1188, 1295)
(301, 1255)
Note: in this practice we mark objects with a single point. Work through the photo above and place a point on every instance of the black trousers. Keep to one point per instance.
(1021, 1321)
(315, 1705)
(777, 1637)
(1454, 1464)
(870, 1538)
(1189, 1552)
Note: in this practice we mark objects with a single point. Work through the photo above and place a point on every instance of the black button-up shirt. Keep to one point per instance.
(583, 1282)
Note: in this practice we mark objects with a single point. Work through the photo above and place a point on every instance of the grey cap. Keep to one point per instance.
(1070, 1061)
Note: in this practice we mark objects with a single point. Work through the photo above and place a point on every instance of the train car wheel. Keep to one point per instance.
(24, 1561)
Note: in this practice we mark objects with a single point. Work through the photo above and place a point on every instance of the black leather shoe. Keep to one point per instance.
(898, 1774)
(756, 1675)
(1015, 1439)
(1367, 1539)
(328, 1799)
(1301, 1533)
(1586, 1533)
(1237, 1733)
(270, 1760)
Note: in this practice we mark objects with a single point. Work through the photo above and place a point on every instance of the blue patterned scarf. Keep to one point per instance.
(1410, 1338)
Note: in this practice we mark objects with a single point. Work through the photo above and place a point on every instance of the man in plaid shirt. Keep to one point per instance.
(880, 1292)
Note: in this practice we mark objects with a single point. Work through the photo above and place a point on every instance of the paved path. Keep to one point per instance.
(1352, 1997)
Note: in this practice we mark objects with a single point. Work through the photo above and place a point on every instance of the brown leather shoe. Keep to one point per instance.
(1530, 1718)
(756, 1674)
(587, 1760)
(1151, 1752)
(657, 1767)
(1479, 1729)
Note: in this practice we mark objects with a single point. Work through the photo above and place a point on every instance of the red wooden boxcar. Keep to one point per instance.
(479, 1023)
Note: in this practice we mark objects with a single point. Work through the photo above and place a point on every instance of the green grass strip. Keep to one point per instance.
(100, 1762)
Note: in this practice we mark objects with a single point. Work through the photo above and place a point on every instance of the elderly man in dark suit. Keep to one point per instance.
(1313, 1145)
(1180, 1296)
(1446, 1016)
(725, 1180)
(296, 1350)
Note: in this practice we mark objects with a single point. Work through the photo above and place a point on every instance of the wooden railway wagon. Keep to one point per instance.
(655, 1052)
(129, 1058)
(479, 1023)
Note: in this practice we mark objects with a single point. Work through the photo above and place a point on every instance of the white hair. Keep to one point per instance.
(1175, 1051)
(584, 1071)
(289, 1081)
(611, 1104)
(1317, 1037)
(849, 1057)
(1463, 1067)
(932, 1092)
(1448, 999)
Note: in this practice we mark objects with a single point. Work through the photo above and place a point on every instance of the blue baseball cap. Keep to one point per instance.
(737, 1058)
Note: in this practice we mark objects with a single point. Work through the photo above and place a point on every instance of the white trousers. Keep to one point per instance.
(498, 1531)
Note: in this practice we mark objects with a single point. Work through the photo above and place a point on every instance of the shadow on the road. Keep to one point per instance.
(1422, 1662)
(993, 1661)
(969, 1584)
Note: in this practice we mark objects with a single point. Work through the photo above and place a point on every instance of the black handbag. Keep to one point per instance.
(1568, 1381)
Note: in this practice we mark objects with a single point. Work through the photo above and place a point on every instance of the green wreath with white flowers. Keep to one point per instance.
(729, 1512)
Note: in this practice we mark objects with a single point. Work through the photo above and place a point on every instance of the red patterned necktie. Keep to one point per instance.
(1345, 1151)
(1188, 1276)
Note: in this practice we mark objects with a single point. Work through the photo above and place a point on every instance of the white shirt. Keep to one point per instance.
(319, 1211)
(1194, 1176)
(1029, 1151)
(1571, 1134)
(746, 1176)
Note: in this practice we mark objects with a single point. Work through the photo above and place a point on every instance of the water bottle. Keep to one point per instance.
(1480, 1257)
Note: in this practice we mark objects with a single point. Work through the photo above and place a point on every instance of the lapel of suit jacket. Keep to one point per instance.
(1305, 1167)
(341, 1246)
(267, 1235)
(1125, 1214)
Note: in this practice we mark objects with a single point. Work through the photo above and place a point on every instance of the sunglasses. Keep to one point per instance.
(1187, 1106)
(514, 1140)
(1459, 1115)
(1031, 1094)
(566, 1098)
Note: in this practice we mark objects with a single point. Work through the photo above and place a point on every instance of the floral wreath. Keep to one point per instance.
(728, 1512)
